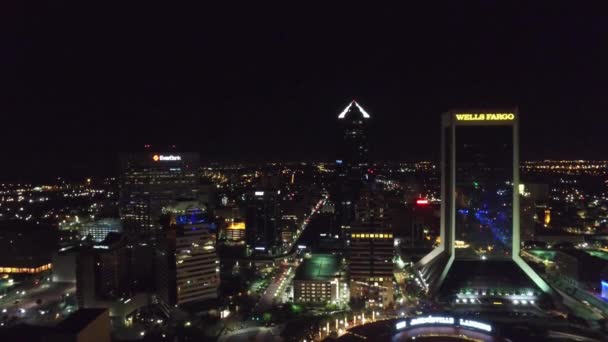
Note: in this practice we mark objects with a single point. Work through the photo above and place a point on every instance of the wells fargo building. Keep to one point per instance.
(480, 199)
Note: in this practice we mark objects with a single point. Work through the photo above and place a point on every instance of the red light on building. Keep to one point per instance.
(422, 201)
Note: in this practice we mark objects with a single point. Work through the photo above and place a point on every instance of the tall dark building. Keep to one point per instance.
(421, 224)
(151, 181)
(352, 164)
(262, 221)
(480, 220)
(102, 272)
(355, 150)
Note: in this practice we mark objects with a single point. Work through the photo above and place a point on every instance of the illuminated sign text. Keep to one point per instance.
(160, 157)
(432, 320)
(475, 324)
(485, 117)
(400, 325)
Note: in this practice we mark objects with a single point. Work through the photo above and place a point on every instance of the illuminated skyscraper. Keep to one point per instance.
(480, 201)
(188, 264)
(355, 149)
(352, 164)
(151, 181)
(370, 251)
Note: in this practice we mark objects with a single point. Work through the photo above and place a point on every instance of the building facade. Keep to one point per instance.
(319, 279)
(103, 272)
(370, 251)
(26, 247)
(262, 220)
(151, 181)
(188, 264)
(99, 229)
(351, 164)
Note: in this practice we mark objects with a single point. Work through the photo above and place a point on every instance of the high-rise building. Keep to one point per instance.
(262, 220)
(480, 219)
(355, 149)
(534, 210)
(352, 163)
(151, 181)
(370, 251)
(188, 264)
(420, 226)
(235, 231)
(102, 272)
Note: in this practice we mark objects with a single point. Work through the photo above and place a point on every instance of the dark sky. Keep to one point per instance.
(81, 82)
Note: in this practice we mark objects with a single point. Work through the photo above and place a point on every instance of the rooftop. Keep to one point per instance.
(80, 320)
(319, 267)
(354, 109)
(485, 274)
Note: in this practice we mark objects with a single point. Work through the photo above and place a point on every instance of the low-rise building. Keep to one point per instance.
(26, 247)
(580, 268)
(319, 279)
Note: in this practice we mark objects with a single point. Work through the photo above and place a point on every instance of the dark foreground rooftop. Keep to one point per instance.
(485, 274)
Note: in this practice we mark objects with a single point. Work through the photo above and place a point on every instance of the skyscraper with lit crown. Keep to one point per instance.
(352, 164)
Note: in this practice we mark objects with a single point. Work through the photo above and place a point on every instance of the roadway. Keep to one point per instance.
(25, 306)
(282, 278)
(274, 291)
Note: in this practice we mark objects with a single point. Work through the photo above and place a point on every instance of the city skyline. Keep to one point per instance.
(296, 173)
(255, 86)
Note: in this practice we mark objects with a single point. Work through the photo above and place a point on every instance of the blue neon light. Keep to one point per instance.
(192, 217)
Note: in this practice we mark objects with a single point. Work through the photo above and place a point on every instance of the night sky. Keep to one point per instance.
(254, 83)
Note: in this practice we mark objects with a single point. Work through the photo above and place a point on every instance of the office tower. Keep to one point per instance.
(534, 210)
(370, 251)
(235, 232)
(420, 226)
(102, 272)
(480, 228)
(188, 264)
(355, 150)
(262, 221)
(352, 163)
(151, 181)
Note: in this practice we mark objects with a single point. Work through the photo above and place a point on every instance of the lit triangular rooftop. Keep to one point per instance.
(349, 108)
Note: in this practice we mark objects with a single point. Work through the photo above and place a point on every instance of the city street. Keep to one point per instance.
(281, 280)
(274, 291)
(25, 305)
